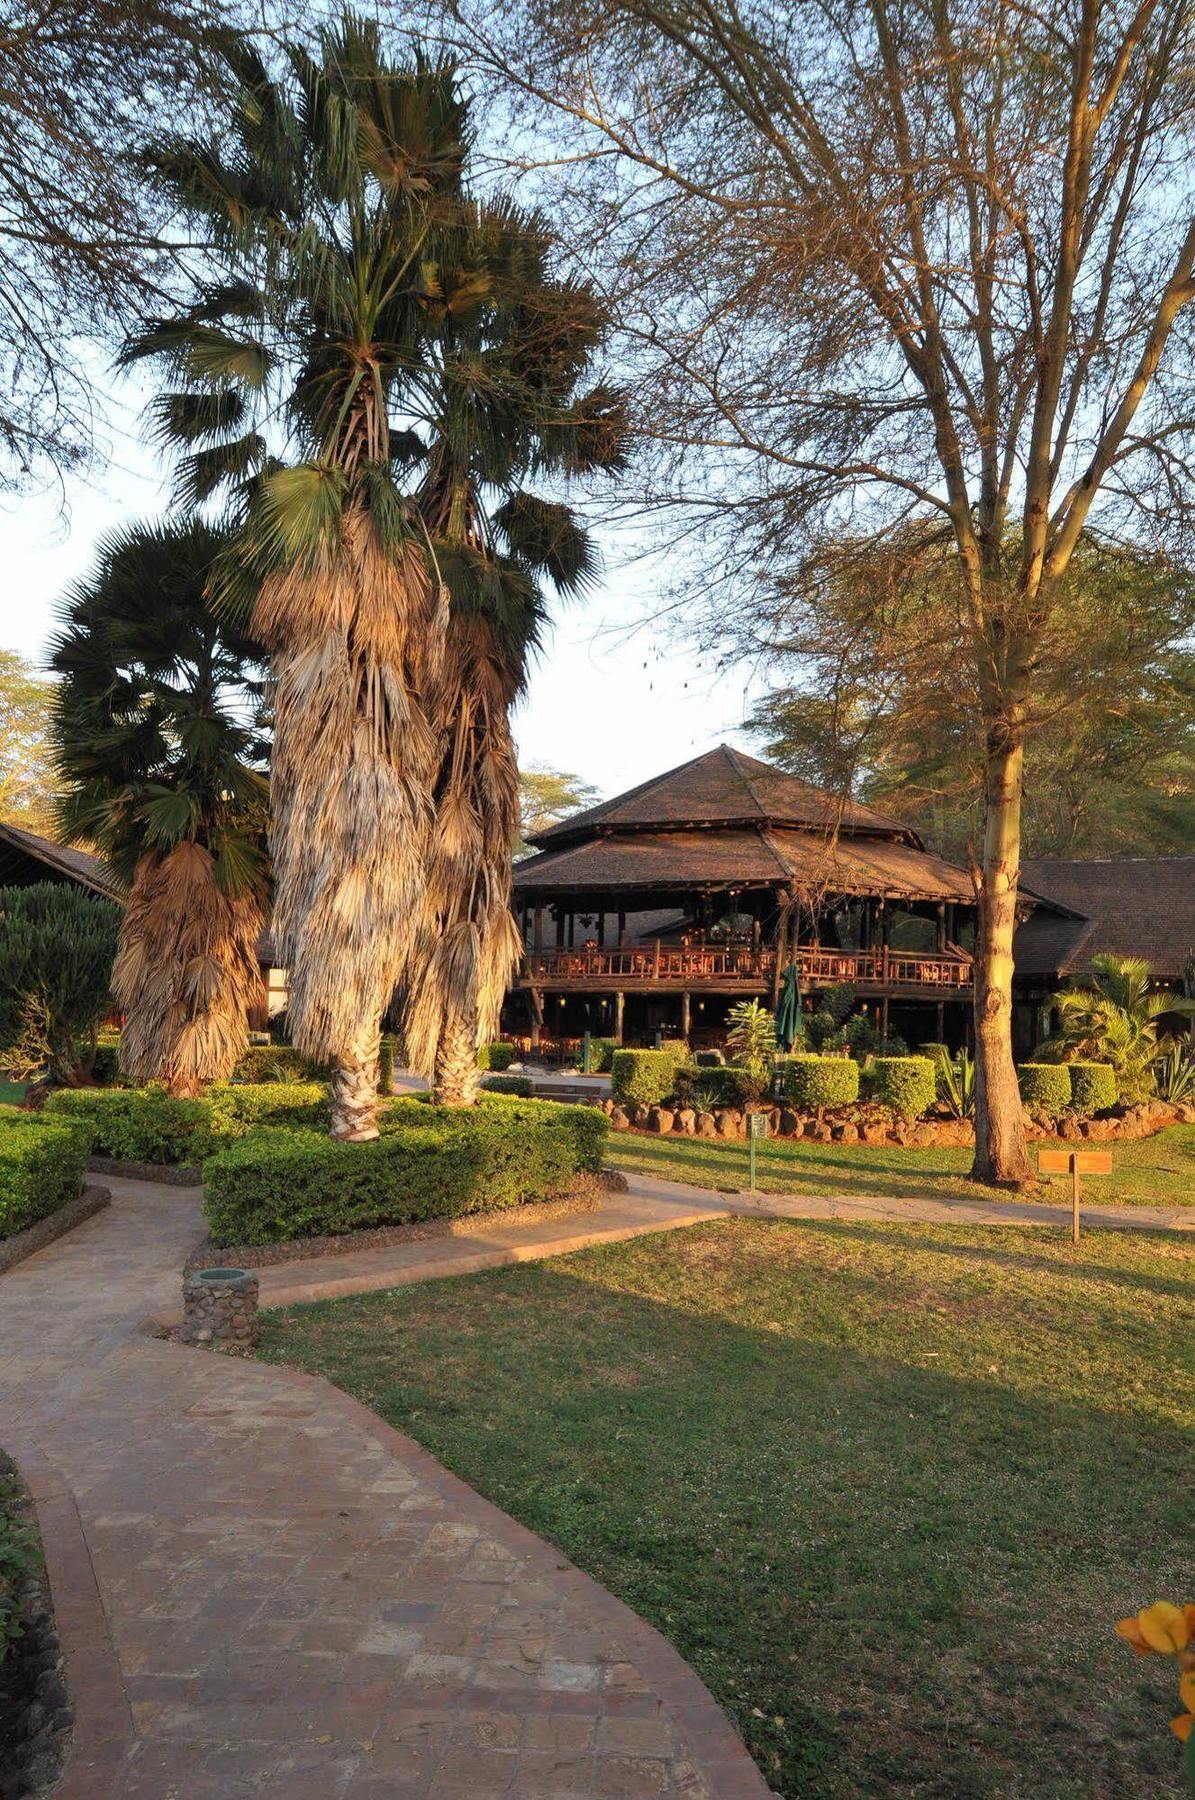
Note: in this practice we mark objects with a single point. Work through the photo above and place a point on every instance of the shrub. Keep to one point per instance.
(276, 1062)
(386, 1051)
(508, 1084)
(908, 1084)
(1045, 1087)
(56, 949)
(1093, 1087)
(148, 1125)
(707, 1089)
(819, 1081)
(429, 1163)
(645, 1077)
(41, 1167)
(601, 1054)
(495, 1056)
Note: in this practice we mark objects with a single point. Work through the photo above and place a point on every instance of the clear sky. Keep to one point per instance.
(613, 699)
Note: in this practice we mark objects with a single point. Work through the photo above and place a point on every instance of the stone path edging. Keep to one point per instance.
(15, 1249)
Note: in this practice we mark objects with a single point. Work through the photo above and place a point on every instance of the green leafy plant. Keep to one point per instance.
(150, 1125)
(908, 1084)
(1113, 1017)
(1045, 1087)
(496, 1057)
(1174, 1074)
(645, 1077)
(1093, 1087)
(956, 1081)
(815, 1082)
(276, 1062)
(57, 945)
(751, 1039)
(41, 1167)
(706, 1089)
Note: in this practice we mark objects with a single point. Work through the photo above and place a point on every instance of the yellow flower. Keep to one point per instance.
(1181, 1727)
(1162, 1627)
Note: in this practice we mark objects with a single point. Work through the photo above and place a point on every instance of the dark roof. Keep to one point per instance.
(724, 787)
(668, 862)
(25, 857)
(1133, 906)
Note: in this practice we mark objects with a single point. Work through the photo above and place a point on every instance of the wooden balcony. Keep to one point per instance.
(733, 970)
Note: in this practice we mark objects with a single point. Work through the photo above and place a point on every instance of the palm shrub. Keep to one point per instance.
(316, 206)
(1112, 1017)
(1174, 1074)
(57, 946)
(154, 734)
(751, 1038)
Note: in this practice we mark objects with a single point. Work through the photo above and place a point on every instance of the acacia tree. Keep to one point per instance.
(155, 728)
(918, 266)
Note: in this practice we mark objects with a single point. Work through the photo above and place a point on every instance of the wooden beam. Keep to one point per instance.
(537, 942)
(684, 1015)
(619, 1002)
(622, 929)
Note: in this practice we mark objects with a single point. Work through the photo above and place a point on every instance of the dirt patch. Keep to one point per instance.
(584, 1196)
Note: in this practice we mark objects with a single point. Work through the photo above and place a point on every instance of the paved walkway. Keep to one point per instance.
(264, 1590)
(652, 1204)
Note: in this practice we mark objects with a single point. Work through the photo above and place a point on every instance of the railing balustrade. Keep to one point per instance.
(707, 964)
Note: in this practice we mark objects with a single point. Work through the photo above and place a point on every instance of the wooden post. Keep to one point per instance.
(622, 930)
(1074, 1199)
(537, 941)
(572, 930)
(537, 1015)
(884, 1005)
(657, 967)
(941, 925)
(601, 930)
(684, 1015)
(619, 1002)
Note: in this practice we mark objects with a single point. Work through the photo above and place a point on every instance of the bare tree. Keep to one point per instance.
(917, 267)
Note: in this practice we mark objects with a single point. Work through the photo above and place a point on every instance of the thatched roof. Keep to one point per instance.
(26, 858)
(724, 788)
(1130, 906)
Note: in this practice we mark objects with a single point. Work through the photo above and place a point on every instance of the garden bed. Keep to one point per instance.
(35, 1713)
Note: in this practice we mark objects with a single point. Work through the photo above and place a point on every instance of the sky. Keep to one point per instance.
(614, 699)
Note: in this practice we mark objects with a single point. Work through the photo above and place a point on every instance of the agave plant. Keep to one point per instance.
(1113, 1018)
(956, 1083)
(315, 206)
(154, 729)
(496, 405)
(1174, 1073)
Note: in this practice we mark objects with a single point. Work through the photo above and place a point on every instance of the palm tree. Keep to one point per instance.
(316, 205)
(154, 728)
(496, 403)
(1113, 1018)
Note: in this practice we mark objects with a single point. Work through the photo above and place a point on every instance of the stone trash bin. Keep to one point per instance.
(219, 1307)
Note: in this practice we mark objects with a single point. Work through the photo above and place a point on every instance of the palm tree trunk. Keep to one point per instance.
(1001, 1155)
(353, 1090)
(458, 1078)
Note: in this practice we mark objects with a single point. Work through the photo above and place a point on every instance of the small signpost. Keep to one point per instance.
(757, 1127)
(1075, 1162)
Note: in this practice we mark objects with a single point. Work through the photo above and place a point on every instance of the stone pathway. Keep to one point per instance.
(264, 1590)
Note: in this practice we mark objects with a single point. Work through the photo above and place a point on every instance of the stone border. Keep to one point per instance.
(714, 1744)
(173, 1174)
(15, 1249)
(103, 1717)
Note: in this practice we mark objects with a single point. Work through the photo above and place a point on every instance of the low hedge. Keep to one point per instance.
(429, 1163)
(908, 1084)
(508, 1084)
(148, 1125)
(1093, 1087)
(496, 1057)
(1045, 1087)
(707, 1088)
(277, 1062)
(601, 1054)
(41, 1167)
(818, 1081)
(645, 1077)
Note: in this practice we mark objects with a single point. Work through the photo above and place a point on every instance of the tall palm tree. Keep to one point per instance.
(1113, 1016)
(316, 207)
(496, 403)
(154, 725)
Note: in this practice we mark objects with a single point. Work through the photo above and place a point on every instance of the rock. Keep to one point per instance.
(705, 1125)
(873, 1133)
(685, 1120)
(924, 1135)
(790, 1123)
(821, 1134)
(846, 1133)
(618, 1119)
(1185, 1114)
(729, 1122)
(659, 1119)
(640, 1116)
(1068, 1129)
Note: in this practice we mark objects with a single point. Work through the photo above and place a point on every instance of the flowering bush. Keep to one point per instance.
(1164, 1629)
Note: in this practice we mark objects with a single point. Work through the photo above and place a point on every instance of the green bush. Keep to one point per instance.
(41, 1167)
(601, 1054)
(105, 1065)
(817, 1081)
(57, 943)
(508, 1084)
(496, 1057)
(148, 1125)
(1045, 1087)
(645, 1077)
(276, 1062)
(908, 1084)
(386, 1055)
(706, 1088)
(429, 1163)
(1093, 1087)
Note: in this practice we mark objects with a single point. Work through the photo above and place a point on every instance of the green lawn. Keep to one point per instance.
(1157, 1171)
(887, 1487)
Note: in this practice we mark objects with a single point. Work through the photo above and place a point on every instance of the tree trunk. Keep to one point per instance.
(353, 1090)
(1001, 1156)
(457, 1075)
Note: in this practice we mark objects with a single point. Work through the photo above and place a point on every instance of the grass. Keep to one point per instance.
(887, 1487)
(1156, 1171)
(11, 1093)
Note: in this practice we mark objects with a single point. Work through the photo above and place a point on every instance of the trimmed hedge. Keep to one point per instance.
(645, 1077)
(429, 1163)
(276, 1062)
(816, 1081)
(41, 1168)
(495, 1056)
(1093, 1087)
(601, 1054)
(707, 1088)
(908, 1084)
(1045, 1086)
(508, 1084)
(148, 1125)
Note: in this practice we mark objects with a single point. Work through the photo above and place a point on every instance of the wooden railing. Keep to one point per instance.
(707, 966)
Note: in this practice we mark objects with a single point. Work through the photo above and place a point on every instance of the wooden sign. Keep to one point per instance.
(757, 1124)
(1074, 1162)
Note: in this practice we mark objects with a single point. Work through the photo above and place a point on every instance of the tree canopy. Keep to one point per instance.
(28, 774)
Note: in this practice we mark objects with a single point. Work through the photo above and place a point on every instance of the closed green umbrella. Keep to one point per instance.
(788, 1009)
